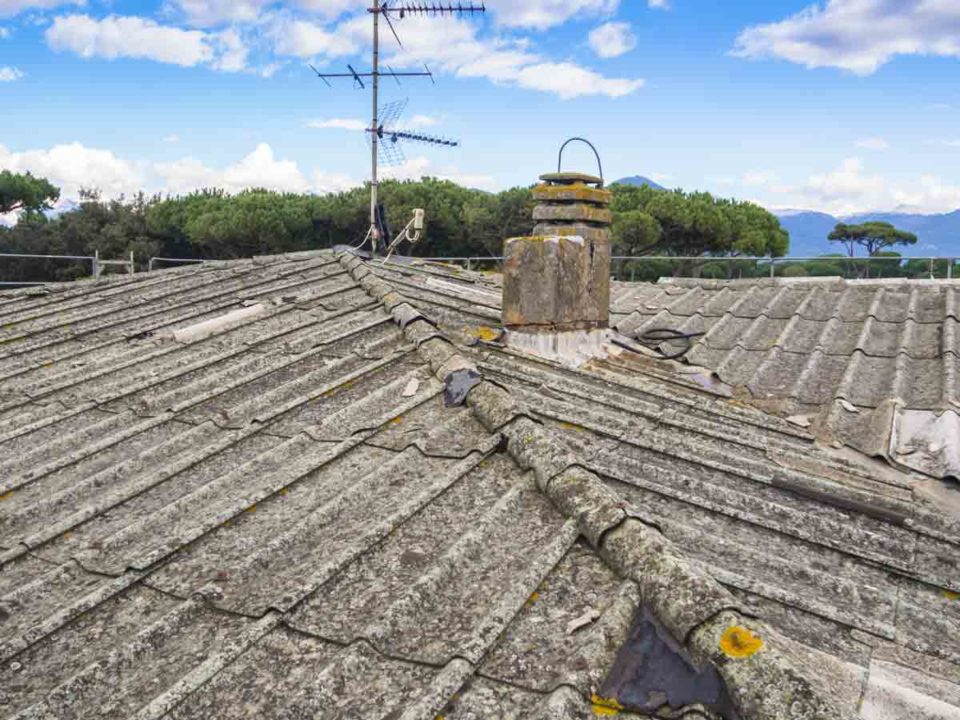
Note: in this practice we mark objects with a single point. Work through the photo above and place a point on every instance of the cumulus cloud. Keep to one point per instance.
(72, 167)
(857, 35)
(422, 121)
(117, 36)
(10, 74)
(453, 45)
(658, 4)
(207, 13)
(9, 8)
(873, 143)
(258, 169)
(420, 167)
(612, 39)
(211, 13)
(851, 188)
(339, 124)
(758, 177)
(543, 14)
(305, 39)
(569, 81)
(5, 33)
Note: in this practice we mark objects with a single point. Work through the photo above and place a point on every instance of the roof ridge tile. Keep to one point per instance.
(764, 681)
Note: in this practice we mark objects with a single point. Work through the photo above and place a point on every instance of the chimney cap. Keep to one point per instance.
(570, 178)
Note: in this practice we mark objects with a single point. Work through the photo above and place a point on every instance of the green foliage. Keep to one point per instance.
(634, 232)
(25, 192)
(693, 224)
(873, 236)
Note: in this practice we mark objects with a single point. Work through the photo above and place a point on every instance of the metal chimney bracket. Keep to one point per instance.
(588, 144)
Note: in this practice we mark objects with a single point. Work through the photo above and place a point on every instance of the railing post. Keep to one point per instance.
(950, 262)
(150, 265)
(133, 267)
(773, 274)
(96, 264)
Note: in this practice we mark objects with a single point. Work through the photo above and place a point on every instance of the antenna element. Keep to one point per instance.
(383, 134)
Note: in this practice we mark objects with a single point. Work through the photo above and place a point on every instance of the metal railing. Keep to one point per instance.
(623, 267)
(627, 266)
(151, 264)
(97, 265)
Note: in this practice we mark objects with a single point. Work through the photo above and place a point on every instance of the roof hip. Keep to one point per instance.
(762, 675)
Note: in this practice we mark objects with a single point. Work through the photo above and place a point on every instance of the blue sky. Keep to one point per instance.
(842, 106)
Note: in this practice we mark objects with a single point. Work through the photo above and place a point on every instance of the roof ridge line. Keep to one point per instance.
(764, 680)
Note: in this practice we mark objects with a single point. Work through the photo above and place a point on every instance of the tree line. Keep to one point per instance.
(213, 224)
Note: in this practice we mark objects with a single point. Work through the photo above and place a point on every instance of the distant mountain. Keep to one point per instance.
(938, 234)
(639, 181)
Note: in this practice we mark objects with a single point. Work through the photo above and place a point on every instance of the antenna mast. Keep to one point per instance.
(386, 8)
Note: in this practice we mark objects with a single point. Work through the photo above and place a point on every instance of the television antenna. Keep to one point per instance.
(381, 133)
(390, 137)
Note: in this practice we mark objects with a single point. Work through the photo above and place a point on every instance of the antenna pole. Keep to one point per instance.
(374, 230)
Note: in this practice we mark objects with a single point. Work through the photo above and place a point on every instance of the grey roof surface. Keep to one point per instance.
(890, 349)
(236, 491)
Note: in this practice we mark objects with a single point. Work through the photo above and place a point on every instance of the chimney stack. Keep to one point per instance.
(557, 282)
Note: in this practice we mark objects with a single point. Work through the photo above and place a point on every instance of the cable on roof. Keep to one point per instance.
(656, 337)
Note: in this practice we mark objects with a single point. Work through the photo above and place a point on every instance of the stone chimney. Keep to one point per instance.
(556, 283)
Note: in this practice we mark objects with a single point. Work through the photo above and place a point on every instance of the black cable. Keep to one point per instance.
(656, 337)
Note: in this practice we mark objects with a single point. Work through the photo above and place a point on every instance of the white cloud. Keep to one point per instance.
(9, 8)
(207, 13)
(543, 14)
(304, 39)
(452, 45)
(612, 39)
(758, 177)
(569, 81)
(848, 184)
(422, 121)
(420, 167)
(873, 143)
(5, 32)
(658, 4)
(259, 169)
(72, 166)
(355, 125)
(850, 188)
(213, 13)
(10, 74)
(931, 194)
(339, 124)
(140, 38)
(857, 35)
(230, 52)
(174, 138)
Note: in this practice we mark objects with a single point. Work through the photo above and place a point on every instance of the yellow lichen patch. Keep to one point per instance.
(396, 421)
(284, 491)
(251, 509)
(6, 496)
(572, 426)
(482, 332)
(532, 599)
(738, 642)
(948, 594)
(605, 706)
